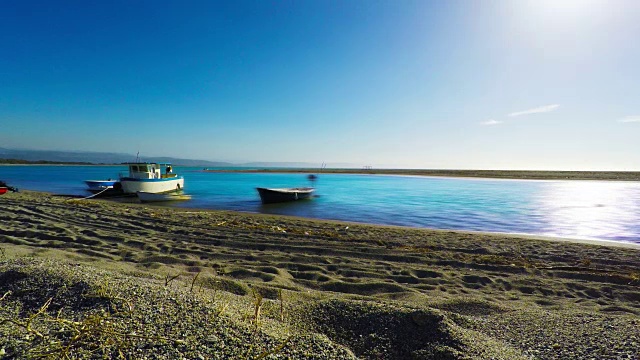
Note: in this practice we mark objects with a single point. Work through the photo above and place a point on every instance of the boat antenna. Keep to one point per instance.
(138, 156)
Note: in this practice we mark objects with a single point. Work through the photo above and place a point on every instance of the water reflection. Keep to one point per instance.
(586, 209)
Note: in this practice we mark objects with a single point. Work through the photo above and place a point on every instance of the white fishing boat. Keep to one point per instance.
(151, 178)
(160, 197)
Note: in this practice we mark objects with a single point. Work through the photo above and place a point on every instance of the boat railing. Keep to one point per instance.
(153, 176)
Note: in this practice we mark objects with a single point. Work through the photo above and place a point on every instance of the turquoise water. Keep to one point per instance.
(603, 210)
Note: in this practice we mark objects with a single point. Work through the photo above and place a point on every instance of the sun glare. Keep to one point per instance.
(589, 209)
(572, 11)
(570, 6)
(561, 27)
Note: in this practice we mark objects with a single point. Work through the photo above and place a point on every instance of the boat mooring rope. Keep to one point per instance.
(96, 194)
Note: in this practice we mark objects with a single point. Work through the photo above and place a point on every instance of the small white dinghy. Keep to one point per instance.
(163, 196)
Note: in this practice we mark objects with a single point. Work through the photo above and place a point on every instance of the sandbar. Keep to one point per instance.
(489, 174)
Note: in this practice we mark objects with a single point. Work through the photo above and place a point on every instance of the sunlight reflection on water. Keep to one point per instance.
(586, 209)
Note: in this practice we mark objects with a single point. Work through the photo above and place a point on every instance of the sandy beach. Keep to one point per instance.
(95, 279)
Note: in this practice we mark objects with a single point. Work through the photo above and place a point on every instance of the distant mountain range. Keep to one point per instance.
(117, 158)
(97, 157)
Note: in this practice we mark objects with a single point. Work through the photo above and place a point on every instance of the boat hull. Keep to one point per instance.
(133, 185)
(3, 190)
(162, 197)
(96, 186)
(270, 196)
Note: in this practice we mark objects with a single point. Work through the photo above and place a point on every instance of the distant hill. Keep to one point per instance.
(13, 156)
(187, 162)
(39, 162)
(96, 157)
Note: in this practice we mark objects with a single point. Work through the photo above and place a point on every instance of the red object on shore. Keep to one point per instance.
(3, 190)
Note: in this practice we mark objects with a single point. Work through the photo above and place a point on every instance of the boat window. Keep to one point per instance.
(139, 168)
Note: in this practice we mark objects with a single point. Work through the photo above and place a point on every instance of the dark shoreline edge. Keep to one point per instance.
(490, 174)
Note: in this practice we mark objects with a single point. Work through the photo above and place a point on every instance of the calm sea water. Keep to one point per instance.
(603, 210)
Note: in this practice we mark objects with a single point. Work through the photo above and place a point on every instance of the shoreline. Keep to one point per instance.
(524, 236)
(590, 241)
(599, 242)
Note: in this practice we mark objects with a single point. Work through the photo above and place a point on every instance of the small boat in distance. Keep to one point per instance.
(150, 177)
(146, 197)
(269, 196)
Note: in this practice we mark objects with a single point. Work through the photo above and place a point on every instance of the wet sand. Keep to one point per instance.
(254, 285)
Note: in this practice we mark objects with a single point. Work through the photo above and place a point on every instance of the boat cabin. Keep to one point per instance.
(150, 170)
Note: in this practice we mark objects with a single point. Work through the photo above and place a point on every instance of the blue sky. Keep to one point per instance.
(414, 84)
